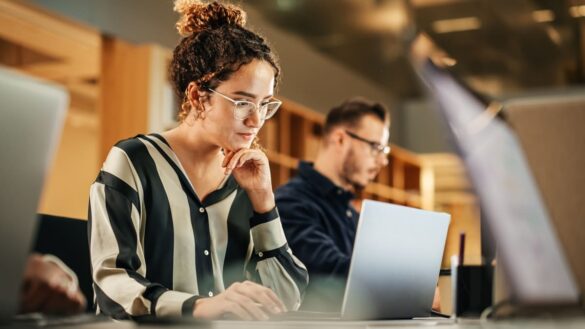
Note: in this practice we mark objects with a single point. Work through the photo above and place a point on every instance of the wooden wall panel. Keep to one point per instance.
(125, 82)
(51, 47)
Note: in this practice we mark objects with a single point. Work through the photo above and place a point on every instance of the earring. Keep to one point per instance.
(197, 108)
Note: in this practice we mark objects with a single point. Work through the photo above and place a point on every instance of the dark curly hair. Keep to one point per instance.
(215, 44)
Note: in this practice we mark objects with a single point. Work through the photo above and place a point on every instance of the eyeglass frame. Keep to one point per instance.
(256, 107)
(375, 147)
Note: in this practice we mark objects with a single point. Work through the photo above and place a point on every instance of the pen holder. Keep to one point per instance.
(472, 289)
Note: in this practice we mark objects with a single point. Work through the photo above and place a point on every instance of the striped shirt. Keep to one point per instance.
(156, 248)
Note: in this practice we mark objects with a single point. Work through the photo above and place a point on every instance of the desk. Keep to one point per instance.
(573, 323)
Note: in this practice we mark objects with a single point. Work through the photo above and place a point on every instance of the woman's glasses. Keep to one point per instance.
(243, 109)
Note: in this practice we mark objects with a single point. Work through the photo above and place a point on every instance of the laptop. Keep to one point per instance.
(394, 267)
(395, 262)
(529, 250)
(32, 113)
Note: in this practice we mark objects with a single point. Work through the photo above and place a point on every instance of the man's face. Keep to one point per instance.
(362, 163)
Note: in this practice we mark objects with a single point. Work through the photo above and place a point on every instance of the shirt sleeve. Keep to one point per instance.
(309, 240)
(273, 261)
(117, 258)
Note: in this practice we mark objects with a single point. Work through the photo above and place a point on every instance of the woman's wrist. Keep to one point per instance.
(198, 308)
(263, 201)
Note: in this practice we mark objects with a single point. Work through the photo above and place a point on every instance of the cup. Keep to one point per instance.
(472, 289)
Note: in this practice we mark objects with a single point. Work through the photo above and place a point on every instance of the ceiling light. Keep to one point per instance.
(554, 35)
(286, 5)
(456, 25)
(392, 18)
(577, 11)
(433, 3)
(543, 16)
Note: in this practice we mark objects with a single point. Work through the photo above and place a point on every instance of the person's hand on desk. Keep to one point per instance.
(246, 300)
(49, 288)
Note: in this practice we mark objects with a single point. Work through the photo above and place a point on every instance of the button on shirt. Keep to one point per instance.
(320, 225)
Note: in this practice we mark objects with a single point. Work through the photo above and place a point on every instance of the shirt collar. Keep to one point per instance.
(323, 184)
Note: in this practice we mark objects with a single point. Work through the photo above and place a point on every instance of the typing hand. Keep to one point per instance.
(246, 300)
(49, 289)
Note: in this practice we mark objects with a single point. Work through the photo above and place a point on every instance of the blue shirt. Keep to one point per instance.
(320, 225)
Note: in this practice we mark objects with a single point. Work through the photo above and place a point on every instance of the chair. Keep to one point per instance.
(66, 238)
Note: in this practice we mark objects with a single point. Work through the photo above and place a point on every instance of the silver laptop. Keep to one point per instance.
(395, 263)
(536, 268)
(31, 118)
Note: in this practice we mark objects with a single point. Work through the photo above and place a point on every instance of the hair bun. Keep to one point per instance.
(197, 16)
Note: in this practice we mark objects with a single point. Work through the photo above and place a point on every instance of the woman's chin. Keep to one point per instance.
(237, 146)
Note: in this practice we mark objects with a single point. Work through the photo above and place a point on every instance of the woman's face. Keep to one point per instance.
(253, 82)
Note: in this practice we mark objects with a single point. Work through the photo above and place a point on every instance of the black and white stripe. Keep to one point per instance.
(156, 248)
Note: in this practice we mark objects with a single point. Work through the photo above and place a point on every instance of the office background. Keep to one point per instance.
(112, 57)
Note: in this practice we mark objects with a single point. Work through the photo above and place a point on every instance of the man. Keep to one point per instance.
(315, 206)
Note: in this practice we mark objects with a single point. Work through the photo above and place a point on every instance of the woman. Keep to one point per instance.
(185, 222)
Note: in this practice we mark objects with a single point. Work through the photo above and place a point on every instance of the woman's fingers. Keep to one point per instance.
(272, 296)
(247, 300)
(254, 156)
(263, 296)
(254, 309)
(237, 309)
(233, 160)
(241, 157)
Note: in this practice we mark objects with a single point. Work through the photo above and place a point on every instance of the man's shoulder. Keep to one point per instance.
(296, 188)
(298, 196)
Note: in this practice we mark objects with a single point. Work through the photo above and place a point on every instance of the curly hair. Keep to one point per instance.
(215, 44)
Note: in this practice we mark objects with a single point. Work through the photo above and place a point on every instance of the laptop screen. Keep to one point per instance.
(32, 113)
(395, 262)
(528, 247)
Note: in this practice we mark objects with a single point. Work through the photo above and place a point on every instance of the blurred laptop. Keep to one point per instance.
(32, 113)
(529, 250)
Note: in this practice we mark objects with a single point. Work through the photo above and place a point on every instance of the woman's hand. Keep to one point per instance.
(251, 170)
(246, 300)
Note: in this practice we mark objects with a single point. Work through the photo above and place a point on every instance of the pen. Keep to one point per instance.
(461, 248)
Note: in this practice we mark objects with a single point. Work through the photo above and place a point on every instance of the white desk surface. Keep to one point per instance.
(571, 323)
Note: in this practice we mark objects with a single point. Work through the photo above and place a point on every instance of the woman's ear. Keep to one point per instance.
(193, 93)
(197, 98)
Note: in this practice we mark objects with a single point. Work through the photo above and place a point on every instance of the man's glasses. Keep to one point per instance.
(375, 147)
(244, 109)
